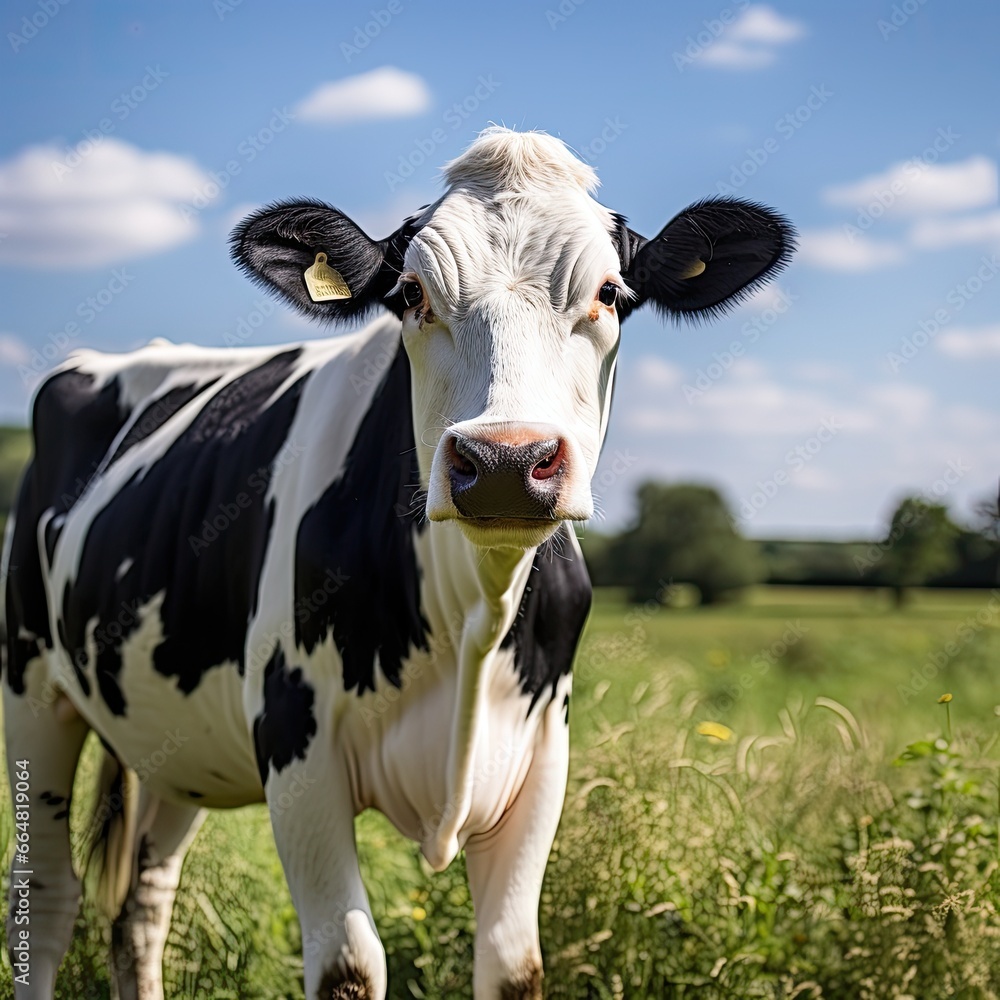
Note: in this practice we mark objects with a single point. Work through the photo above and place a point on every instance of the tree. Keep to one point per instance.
(921, 544)
(683, 534)
(988, 518)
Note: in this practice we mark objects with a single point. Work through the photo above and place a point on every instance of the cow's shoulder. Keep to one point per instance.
(356, 574)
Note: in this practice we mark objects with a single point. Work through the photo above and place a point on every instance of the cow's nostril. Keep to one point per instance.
(551, 464)
(461, 465)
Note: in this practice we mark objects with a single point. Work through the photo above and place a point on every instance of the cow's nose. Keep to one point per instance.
(502, 479)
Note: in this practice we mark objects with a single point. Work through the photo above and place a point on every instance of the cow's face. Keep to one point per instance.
(511, 290)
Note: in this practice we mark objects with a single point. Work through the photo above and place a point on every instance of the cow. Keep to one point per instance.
(345, 565)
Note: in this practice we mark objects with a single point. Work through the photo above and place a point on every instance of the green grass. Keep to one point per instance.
(810, 855)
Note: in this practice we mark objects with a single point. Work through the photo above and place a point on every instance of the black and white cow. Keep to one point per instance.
(341, 566)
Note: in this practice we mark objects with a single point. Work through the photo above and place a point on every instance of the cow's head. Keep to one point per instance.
(511, 290)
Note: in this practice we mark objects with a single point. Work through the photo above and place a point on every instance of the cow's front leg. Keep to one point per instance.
(506, 867)
(312, 816)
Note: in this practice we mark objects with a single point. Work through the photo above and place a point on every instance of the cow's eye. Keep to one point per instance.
(412, 293)
(608, 295)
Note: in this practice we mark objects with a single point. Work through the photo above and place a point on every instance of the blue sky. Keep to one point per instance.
(135, 135)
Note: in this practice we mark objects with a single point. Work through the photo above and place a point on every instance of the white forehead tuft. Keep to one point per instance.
(501, 159)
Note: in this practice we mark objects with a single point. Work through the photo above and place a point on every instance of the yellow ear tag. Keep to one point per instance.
(694, 270)
(323, 282)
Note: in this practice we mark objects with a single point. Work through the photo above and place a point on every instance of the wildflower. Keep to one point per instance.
(418, 913)
(715, 731)
(945, 700)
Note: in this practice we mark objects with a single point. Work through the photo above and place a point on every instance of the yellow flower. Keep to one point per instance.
(944, 699)
(715, 731)
(418, 913)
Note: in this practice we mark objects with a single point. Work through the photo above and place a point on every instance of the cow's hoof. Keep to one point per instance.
(527, 987)
(348, 991)
(335, 987)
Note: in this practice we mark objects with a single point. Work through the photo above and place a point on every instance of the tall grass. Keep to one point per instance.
(833, 835)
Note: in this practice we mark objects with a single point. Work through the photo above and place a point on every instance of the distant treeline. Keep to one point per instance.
(852, 564)
(683, 533)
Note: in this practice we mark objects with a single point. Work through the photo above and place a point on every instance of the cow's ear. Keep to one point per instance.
(709, 257)
(276, 245)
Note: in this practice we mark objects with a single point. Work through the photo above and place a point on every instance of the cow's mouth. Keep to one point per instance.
(514, 532)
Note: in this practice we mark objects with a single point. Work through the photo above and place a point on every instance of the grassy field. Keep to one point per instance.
(837, 838)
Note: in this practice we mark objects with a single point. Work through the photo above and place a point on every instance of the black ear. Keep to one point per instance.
(708, 258)
(275, 245)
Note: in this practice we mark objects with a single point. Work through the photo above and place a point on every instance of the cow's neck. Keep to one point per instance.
(471, 598)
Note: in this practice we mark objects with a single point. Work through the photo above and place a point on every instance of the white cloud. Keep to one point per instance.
(751, 41)
(835, 250)
(119, 202)
(381, 93)
(761, 23)
(969, 343)
(915, 187)
(819, 371)
(900, 404)
(934, 234)
(13, 350)
(735, 55)
(657, 373)
(770, 296)
(972, 421)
